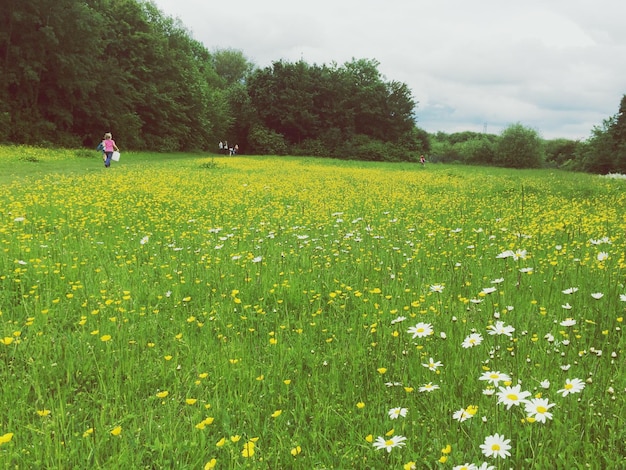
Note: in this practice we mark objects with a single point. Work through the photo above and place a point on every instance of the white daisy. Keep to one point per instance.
(395, 413)
(572, 386)
(496, 446)
(510, 396)
(472, 340)
(421, 330)
(388, 444)
(538, 408)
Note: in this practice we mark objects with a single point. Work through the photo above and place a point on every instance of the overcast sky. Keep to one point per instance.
(557, 66)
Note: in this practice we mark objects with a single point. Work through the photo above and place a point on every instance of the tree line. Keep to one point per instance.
(522, 147)
(73, 69)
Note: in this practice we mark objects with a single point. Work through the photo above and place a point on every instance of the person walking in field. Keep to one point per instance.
(109, 147)
(422, 160)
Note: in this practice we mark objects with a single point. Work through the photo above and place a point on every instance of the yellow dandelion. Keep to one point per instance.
(6, 340)
(360, 405)
(210, 464)
(369, 438)
(105, 338)
(276, 413)
(43, 413)
(116, 431)
(221, 442)
(447, 449)
(235, 438)
(191, 401)
(382, 370)
(162, 394)
(6, 438)
(88, 432)
(287, 381)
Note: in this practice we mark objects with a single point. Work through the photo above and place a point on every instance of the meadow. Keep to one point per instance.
(190, 311)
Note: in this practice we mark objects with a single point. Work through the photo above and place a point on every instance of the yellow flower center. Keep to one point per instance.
(541, 409)
(569, 386)
(495, 447)
(389, 442)
(512, 396)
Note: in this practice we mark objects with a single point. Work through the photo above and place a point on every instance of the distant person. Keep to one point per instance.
(221, 146)
(109, 147)
(225, 147)
(422, 160)
(236, 149)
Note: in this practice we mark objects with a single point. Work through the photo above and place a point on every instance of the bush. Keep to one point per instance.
(266, 141)
(519, 147)
(477, 151)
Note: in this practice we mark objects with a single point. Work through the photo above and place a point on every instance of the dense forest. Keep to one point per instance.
(73, 69)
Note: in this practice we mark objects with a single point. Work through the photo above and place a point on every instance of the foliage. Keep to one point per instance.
(477, 150)
(265, 141)
(519, 147)
(332, 104)
(560, 152)
(605, 151)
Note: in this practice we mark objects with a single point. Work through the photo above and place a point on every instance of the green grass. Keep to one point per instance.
(265, 293)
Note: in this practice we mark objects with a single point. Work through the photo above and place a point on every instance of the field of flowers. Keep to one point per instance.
(200, 312)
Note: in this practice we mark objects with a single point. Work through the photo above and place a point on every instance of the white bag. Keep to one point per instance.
(115, 157)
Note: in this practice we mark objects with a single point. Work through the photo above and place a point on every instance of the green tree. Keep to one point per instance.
(48, 49)
(231, 66)
(560, 151)
(519, 147)
(618, 136)
(478, 150)
(596, 154)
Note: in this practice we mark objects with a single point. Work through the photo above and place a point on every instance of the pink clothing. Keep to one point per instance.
(109, 145)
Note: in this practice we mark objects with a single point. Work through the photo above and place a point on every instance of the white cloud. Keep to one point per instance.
(555, 66)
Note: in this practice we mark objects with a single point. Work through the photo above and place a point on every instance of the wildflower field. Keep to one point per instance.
(197, 312)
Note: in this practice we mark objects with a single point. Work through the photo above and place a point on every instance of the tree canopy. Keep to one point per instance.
(74, 69)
